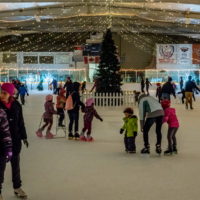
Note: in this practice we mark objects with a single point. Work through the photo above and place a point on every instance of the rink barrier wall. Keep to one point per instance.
(110, 99)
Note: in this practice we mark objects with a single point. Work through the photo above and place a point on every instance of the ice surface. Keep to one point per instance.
(73, 170)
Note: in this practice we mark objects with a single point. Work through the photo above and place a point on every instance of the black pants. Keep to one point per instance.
(15, 164)
(171, 136)
(22, 97)
(148, 124)
(61, 114)
(129, 143)
(73, 118)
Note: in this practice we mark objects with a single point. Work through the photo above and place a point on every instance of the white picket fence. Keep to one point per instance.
(110, 99)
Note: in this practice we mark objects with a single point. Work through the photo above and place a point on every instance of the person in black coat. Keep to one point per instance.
(68, 86)
(168, 89)
(74, 113)
(142, 84)
(14, 113)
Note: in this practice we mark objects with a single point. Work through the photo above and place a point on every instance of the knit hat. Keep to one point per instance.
(49, 97)
(165, 103)
(9, 88)
(89, 102)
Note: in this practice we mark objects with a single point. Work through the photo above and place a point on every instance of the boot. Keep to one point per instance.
(20, 193)
(158, 149)
(174, 149)
(146, 150)
(1, 198)
(49, 135)
(76, 136)
(39, 133)
(70, 136)
(168, 152)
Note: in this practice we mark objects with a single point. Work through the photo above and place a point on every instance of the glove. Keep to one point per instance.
(121, 131)
(8, 154)
(26, 143)
(101, 120)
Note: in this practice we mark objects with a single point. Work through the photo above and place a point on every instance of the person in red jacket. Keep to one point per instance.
(171, 118)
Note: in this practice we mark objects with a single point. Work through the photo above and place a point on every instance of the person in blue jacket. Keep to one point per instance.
(22, 92)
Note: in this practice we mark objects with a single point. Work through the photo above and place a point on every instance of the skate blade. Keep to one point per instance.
(70, 138)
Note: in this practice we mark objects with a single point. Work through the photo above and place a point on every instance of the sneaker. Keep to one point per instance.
(20, 193)
(39, 133)
(70, 136)
(90, 139)
(1, 198)
(158, 149)
(82, 138)
(76, 136)
(145, 150)
(168, 152)
(49, 136)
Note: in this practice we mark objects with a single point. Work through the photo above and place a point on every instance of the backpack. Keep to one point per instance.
(69, 103)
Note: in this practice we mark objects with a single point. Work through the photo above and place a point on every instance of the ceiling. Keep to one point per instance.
(149, 16)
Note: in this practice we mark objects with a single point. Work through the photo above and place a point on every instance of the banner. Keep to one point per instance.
(166, 54)
(184, 54)
(196, 54)
(91, 59)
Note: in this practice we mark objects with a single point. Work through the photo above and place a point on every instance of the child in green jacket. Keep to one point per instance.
(131, 128)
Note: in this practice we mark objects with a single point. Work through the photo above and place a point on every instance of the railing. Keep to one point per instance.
(125, 98)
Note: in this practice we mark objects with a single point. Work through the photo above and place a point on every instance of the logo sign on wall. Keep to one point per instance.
(166, 54)
(184, 54)
(196, 54)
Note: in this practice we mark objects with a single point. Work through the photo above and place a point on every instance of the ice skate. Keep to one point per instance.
(168, 152)
(90, 139)
(145, 150)
(158, 149)
(82, 138)
(70, 136)
(76, 136)
(174, 150)
(1, 198)
(61, 125)
(20, 193)
(49, 135)
(134, 151)
(39, 133)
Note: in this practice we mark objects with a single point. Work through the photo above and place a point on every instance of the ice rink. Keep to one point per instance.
(73, 170)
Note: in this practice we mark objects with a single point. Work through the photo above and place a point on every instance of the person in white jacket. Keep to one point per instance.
(150, 112)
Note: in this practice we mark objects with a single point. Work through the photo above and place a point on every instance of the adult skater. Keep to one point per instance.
(190, 86)
(74, 113)
(181, 83)
(22, 92)
(55, 86)
(150, 112)
(18, 133)
(147, 83)
(142, 83)
(168, 89)
(68, 86)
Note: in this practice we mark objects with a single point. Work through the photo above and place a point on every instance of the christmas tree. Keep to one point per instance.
(108, 72)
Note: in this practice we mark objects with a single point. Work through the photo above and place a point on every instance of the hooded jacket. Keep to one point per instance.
(171, 118)
(49, 110)
(90, 113)
(130, 125)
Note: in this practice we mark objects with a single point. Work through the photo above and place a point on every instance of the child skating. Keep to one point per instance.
(47, 117)
(90, 113)
(130, 128)
(171, 118)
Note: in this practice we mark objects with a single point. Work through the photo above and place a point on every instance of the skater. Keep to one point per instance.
(147, 83)
(74, 112)
(150, 112)
(6, 146)
(168, 89)
(47, 117)
(18, 133)
(130, 128)
(22, 92)
(142, 84)
(90, 113)
(61, 99)
(136, 96)
(83, 87)
(158, 91)
(181, 83)
(171, 118)
(55, 85)
(68, 86)
(190, 86)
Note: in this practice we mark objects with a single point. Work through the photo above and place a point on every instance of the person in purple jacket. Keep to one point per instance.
(90, 113)
(5, 146)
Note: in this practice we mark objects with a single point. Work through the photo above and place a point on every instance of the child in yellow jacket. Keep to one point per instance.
(131, 128)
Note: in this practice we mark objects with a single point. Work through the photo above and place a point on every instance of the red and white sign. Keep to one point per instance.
(91, 59)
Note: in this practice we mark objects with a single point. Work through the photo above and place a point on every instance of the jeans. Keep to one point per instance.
(129, 143)
(188, 96)
(73, 118)
(15, 165)
(61, 115)
(148, 124)
(22, 97)
(171, 136)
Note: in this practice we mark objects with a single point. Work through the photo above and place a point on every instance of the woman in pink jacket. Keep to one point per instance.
(171, 118)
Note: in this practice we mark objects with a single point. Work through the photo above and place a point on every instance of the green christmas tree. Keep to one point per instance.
(108, 72)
